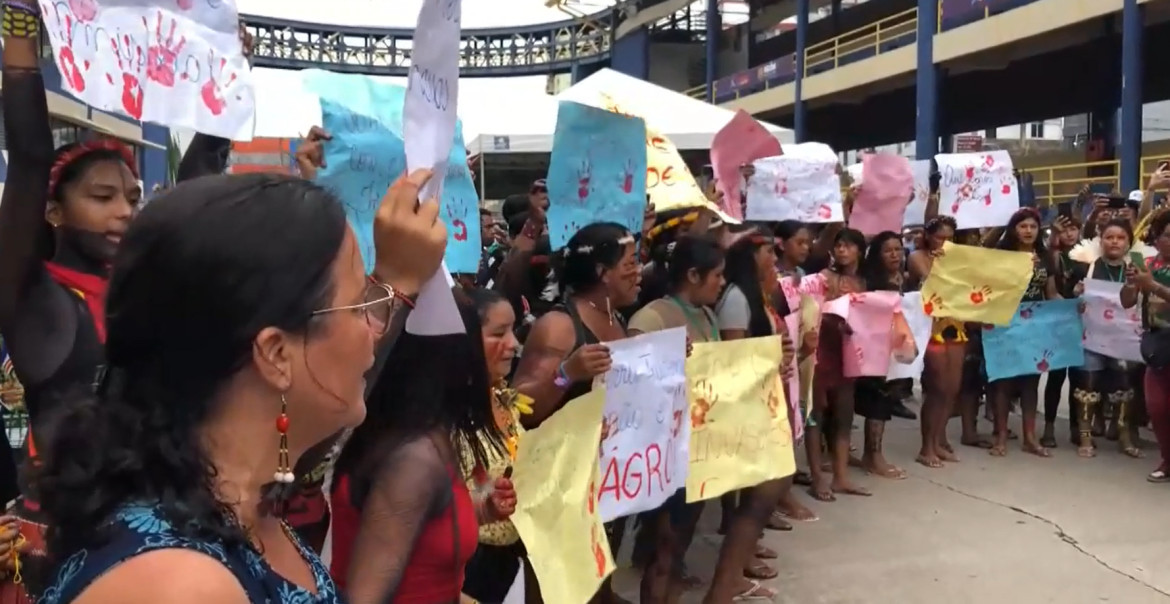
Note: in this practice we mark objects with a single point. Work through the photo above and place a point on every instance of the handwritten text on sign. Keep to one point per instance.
(644, 433)
(147, 62)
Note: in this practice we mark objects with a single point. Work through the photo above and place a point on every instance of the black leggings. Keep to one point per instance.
(1052, 392)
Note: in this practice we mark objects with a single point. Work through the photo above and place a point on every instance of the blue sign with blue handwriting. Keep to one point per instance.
(366, 154)
(597, 172)
(1043, 336)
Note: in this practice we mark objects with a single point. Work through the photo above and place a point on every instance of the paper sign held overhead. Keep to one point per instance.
(177, 64)
(800, 185)
(740, 142)
(429, 118)
(597, 171)
(880, 203)
(977, 189)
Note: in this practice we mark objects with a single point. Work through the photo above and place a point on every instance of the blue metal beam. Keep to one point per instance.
(926, 122)
(1130, 145)
(800, 127)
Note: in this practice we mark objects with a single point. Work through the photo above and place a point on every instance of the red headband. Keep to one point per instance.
(80, 150)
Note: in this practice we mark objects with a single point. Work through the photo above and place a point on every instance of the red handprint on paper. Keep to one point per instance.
(932, 303)
(1108, 314)
(824, 211)
(185, 4)
(70, 72)
(212, 91)
(84, 10)
(584, 175)
(131, 88)
(457, 217)
(780, 187)
(1026, 313)
(598, 552)
(859, 355)
(1042, 363)
(628, 177)
(676, 427)
(969, 173)
(161, 56)
(591, 497)
(988, 162)
(979, 294)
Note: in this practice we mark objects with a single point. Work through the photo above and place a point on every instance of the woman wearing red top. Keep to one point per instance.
(404, 523)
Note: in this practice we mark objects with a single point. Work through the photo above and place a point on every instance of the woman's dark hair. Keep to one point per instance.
(873, 267)
(741, 271)
(934, 225)
(482, 299)
(699, 252)
(1011, 241)
(786, 229)
(201, 271)
(597, 244)
(853, 237)
(1121, 224)
(428, 384)
(73, 160)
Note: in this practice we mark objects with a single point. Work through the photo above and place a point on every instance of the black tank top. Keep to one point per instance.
(583, 337)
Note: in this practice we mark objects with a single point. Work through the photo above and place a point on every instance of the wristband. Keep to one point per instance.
(561, 380)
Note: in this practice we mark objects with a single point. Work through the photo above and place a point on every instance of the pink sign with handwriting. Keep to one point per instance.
(740, 142)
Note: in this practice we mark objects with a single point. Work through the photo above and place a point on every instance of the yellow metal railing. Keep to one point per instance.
(698, 92)
(868, 37)
(1059, 183)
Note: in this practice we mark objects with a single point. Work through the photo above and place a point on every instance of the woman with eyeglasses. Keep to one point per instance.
(240, 325)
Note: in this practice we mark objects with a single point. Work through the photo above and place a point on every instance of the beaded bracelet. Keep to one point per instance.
(20, 20)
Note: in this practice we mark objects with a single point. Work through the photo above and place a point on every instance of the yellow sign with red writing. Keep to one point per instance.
(740, 435)
(556, 477)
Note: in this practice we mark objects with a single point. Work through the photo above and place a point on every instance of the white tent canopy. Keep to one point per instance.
(689, 123)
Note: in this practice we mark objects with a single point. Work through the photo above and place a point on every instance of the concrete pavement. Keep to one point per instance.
(1020, 529)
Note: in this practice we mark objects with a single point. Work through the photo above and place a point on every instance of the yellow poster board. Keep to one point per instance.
(669, 181)
(976, 284)
(740, 434)
(556, 474)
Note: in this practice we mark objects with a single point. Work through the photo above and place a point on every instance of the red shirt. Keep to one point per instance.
(434, 573)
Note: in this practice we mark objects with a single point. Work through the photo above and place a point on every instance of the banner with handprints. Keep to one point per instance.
(644, 433)
(813, 285)
(367, 154)
(181, 65)
(1042, 336)
(557, 517)
(800, 185)
(740, 435)
(597, 171)
(976, 284)
(1111, 329)
(977, 189)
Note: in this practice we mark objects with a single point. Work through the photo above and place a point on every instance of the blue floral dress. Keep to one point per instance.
(142, 529)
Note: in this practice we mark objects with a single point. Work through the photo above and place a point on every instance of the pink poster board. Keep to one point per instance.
(740, 142)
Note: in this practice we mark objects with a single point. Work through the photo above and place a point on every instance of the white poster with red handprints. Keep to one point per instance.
(645, 438)
(977, 189)
(177, 63)
(802, 184)
(1110, 329)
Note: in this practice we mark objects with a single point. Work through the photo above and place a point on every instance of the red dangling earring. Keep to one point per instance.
(284, 473)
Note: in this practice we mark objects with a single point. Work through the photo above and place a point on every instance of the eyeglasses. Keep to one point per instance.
(377, 306)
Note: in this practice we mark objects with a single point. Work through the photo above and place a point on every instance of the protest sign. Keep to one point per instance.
(919, 324)
(1042, 336)
(556, 477)
(916, 212)
(740, 434)
(429, 124)
(180, 65)
(800, 185)
(740, 142)
(881, 202)
(972, 283)
(597, 171)
(977, 189)
(367, 153)
(644, 435)
(1110, 329)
